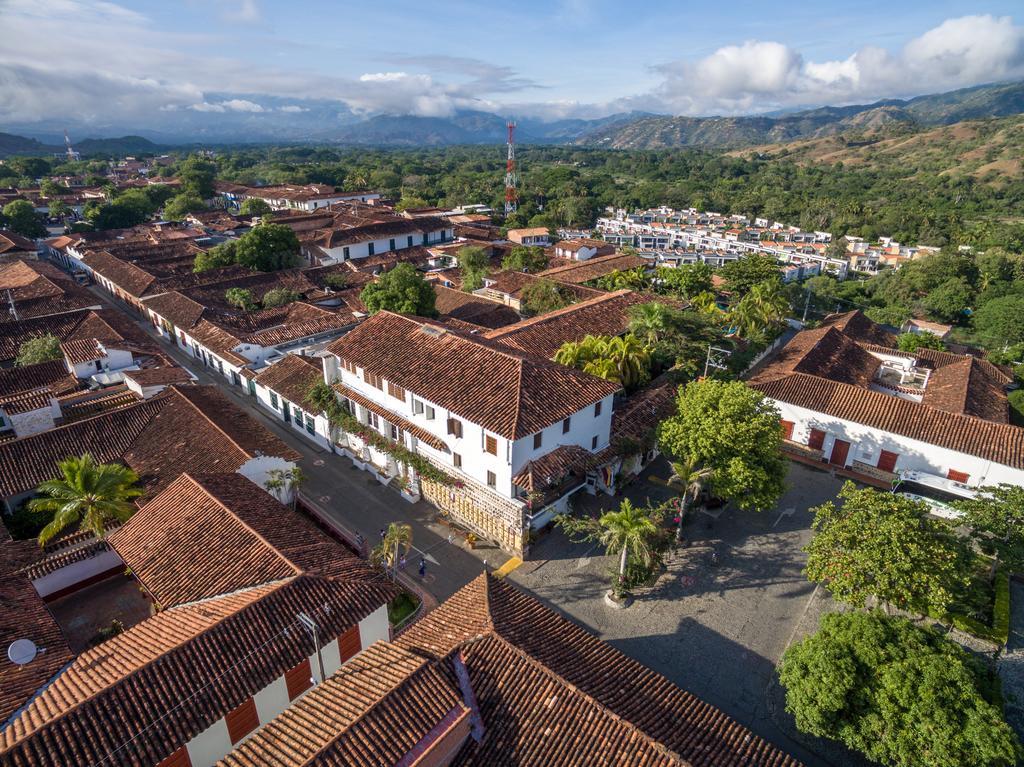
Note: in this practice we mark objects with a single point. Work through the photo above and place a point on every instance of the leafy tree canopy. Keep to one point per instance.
(911, 342)
(197, 176)
(216, 257)
(39, 349)
(747, 271)
(525, 259)
(687, 280)
(999, 322)
(21, 217)
(885, 545)
(996, 519)
(473, 267)
(254, 206)
(902, 695)
(733, 431)
(402, 290)
(268, 248)
(279, 297)
(181, 205)
(240, 297)
(543, 296)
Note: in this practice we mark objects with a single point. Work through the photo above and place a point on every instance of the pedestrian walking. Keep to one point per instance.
(423, 568)
(402, 563)
(383, 533)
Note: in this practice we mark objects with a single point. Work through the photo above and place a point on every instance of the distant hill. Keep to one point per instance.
(11, 144)
(656, 132)
(990, 150)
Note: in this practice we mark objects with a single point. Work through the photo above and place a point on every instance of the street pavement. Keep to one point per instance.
(353, 497)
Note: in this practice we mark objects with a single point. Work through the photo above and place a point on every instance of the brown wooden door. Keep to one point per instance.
(887, 460)
(787, 429)
(840, 450)
(816, 439)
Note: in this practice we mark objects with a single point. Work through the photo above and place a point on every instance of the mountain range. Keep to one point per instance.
(328, 122)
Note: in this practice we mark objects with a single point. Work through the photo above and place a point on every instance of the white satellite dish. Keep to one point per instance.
(22, 651)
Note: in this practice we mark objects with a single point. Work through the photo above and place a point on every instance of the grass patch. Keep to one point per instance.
(401, 607)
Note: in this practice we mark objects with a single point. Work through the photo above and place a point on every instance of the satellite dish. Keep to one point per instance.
(22, 651)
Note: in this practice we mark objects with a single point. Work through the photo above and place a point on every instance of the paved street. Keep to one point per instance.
(353, 497)
(716, 630)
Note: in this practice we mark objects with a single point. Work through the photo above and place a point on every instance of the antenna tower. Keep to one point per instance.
(72, 154)
(511, 193)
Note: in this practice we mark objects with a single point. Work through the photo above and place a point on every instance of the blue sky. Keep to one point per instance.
(570, 58)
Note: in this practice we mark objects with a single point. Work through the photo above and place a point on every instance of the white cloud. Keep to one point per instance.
(244, 11)
(295, 108)
(759, 75)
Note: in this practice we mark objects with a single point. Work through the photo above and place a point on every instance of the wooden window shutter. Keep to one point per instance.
(242, 720)
(816, 439)
(491, 445)
(787, 429)
(455, 427)
(349, 644)
(958, 476)
(297, 679)
(178, 759)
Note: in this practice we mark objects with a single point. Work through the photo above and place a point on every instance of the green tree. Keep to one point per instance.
(629, 533)
(911, 342)
(622, 359)
(49, 189)
(39, 349)
(649, 322)
(885, 545)
(396, 543)
(402, 290)
(59, 210)
(473, 267)
(733, 431)
(240, 297)
(90, 494)
(998, 322)
(22, 219)
(996, 519)
(279, 297)
(284, 484)
(950, 301)
(181, 205)
(628, 279)
(336, 280)
(216, 257)
(543, 296)
(691, 475)
(409, 202)
(254, 206)
(525, 259)
(760, 309)
(268, 248)
(687, 280)
(197, 175)
(747, 271)
(903, 695)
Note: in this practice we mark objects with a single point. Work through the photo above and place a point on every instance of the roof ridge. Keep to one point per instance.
(235, 516)
(177, 390)
(548, 671)
(39, 725)
(541, 318)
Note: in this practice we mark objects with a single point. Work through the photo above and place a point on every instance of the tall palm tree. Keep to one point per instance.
(632, 358)
(622, 359)
(91, 494)
(692, 474)
(285, 483)
(628, 532)
(397, 541)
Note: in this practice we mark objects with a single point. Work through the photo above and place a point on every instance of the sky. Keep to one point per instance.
(122, 61)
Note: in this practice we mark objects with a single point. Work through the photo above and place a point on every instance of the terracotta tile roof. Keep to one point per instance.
(52, 376)
(466, 307)
(966, 387)
(292, 377)
(127, 694)
(83, 350)
(132, 279)
(824, 352)
(420, 433)
(857, 326)
(374, 710)
(507, 393)
(14, 334)
(189, 428)
(211, 534)
(997, 442)
(551, 468)
(543, 335)
(582, 242)
(12, 242)
(549, 692)
(578, 272)
(177, 308)
(636, 418)
(161, 376)
(77, 407)
(24, 616)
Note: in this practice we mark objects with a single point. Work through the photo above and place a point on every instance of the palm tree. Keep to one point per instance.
(398, 537)
(628, 533)
(284, 483)
(88, 493)
(623, 359)
(691, 474)
(649, 322)
(632, 358)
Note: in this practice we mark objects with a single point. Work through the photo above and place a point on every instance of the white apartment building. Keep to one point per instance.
(514, 433)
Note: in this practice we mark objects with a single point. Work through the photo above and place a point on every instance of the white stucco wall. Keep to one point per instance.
(257, 469)
(76, 572)
(32, 422)
(209, 746)
(866, 444)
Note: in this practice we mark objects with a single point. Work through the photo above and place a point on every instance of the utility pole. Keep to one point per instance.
(310, 625)
(716, 359)
(807, 305)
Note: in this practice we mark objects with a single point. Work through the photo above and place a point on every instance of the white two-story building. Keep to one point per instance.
(512, 434)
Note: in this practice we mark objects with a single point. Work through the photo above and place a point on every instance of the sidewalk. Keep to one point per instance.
(350, 497)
